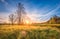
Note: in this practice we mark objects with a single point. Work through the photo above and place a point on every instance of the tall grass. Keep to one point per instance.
(31, 34)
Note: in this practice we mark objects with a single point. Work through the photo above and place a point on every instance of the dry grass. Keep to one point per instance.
(7, 28)
(28, 32)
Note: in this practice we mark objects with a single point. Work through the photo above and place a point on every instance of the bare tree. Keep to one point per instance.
(11, 18)
(20, 13)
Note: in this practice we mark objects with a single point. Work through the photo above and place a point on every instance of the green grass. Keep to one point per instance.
(31, 34)
(7, 32)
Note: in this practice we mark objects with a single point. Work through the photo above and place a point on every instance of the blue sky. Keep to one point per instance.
(38, 10)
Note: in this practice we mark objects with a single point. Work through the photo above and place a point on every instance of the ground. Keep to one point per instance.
(29, 32)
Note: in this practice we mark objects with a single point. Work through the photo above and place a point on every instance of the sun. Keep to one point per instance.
(27, 22)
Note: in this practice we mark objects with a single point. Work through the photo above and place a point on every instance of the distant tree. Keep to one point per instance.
(20, 13)
(53, 20)
(11, 18)
(58, 20)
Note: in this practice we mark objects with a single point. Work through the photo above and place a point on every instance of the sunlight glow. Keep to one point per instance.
(27, 22)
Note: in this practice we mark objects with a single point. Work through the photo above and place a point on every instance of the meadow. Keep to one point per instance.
(28, 32)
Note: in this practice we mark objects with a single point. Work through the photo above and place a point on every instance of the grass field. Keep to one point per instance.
(28, 32)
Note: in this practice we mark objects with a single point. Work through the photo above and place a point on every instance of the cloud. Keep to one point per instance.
(37, 17)
(6, 4)
(4, 1)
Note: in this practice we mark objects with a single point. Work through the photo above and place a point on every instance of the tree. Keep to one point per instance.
(11, 18)
(20, 13)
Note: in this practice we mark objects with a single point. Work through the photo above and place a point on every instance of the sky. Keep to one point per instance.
(37, 10)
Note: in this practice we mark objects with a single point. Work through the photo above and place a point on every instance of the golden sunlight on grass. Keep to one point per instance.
(10, 28)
